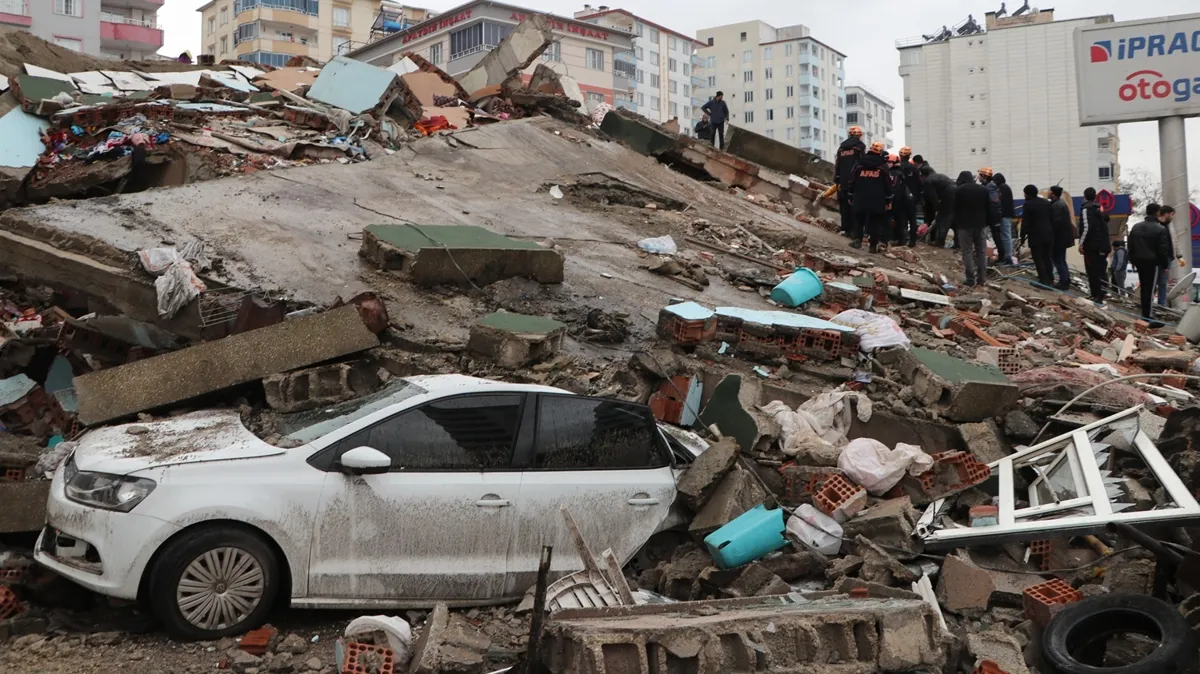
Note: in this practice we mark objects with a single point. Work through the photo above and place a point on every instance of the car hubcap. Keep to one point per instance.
(220, 588)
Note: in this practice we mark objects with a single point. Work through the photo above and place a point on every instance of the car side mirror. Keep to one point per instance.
(365, 461)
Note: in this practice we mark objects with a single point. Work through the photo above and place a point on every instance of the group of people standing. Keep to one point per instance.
(1151, 252)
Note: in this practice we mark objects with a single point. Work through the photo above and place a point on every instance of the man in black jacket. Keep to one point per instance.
(1064, 236)
(1166, 215)
(850, 151)
(901, 204)
(1002, 232)
(870, 193)
(1037, 231)
(911, 172)
(718, 114)
(1094, 244)
(704, 129)
(1149, 250)
(939, 195)
(972, 205)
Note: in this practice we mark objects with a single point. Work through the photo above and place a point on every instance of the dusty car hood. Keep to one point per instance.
(191, 438)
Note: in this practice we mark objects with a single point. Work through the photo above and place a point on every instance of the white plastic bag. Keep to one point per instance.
(158, 260)
(53, 457)
(399, 633)
(660, 245)
(875, 331)
(816, 529)
(870, 463)
(177, 287)
(819, 422)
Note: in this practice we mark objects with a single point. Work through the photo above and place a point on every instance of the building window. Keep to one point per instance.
(69, 43)
(748, 116)
(712, 81)
(743, 37)
(654, 35)
(852, 118)
(641, 76)
(789, 112)
(595, 59)
(842, 104)
(791, 91)
(553, 52)
(710, 42)
(212, 25)
(653, 58)
(748, 97)
(769, 94)
(673, 65)
(1106, 172)
(341, 17)
(212, 49)
(672, 86)
(653, 80)
(224, 15)
(747, 56)
(768, 73)
(435, 53)
(851, 99)
(641, 30)
(787, 50)
(686, 90)
(477, 38)
(770, 132)
(672, 44)
(68, 7)
(641, 98)
(225, 45)
(341, 45)
(791, 133)
(673, 109)
(767, 52)
(687, 69)
(595, 98)
(788, 70)
(770, 114)
(640, 53)
(748, 76)
(654, 102)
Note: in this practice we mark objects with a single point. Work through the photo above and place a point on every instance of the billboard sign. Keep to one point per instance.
(1135, 71)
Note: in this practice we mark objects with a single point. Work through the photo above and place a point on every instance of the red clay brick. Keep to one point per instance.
(835, 493)
(9, 606)
(255, 642)
(355, 651)
(1044, 600)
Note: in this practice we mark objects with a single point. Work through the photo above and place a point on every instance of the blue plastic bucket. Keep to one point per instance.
(754, 534)
(802, 286)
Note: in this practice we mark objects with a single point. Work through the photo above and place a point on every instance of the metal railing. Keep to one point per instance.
(19, 7)
(117, 18)
(309, 7)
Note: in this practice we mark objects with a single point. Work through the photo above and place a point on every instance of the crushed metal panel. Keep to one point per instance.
(22, 134)
(1080, 478)
(352, 85)
(181, 375)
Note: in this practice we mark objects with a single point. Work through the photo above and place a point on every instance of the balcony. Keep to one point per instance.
(696, 60)
(120, 33)
(699, 81)
(15, 13)
(625, 57)
(144, 5)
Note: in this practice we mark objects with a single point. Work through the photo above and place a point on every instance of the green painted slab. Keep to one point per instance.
(958, 370)
(40, 88)
(411, 238)
(521, 324)
(725, 410)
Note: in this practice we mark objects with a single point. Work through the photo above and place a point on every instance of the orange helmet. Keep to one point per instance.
(856, 131)
(985, 172)
(893, 159)
(877, 147)
(906, 151)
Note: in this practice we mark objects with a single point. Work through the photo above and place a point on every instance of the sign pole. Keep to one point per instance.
(1172, 149)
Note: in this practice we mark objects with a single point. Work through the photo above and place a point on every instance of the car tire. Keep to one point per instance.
(1074, 639)
(214, 582)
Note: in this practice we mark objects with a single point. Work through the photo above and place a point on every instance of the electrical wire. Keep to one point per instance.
(1064, 408)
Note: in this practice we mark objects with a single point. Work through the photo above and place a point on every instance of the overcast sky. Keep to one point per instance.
(864, 30)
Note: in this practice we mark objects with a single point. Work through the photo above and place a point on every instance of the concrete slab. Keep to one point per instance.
(964, 391)
(514, 54)
(24, 506)
(173, 377)
(457, 254)
(352, 85)
(776, 155)
(513, 340)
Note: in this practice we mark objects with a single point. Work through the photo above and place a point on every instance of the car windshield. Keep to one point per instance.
(304, 427)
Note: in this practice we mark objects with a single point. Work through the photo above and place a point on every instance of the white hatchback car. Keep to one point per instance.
(436, 488)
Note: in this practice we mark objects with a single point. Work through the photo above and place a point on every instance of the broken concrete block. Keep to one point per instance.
(26, 408)
(449, 645)
(174, 377)
(755, 580)
(461, 255)
(999, 647)
(737, 493)
(881, 567)
(984, 440)
(885, 635)
(513, 55)
(679, 576)
(794, 566)
(515, 340)
(700, 480)
(1018, 425)
(318, 386)
(963, 391)
(890, 523)
(843, 566)
(877, 590)
(964, 586)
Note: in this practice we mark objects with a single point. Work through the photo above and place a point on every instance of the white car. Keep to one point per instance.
(436, 488)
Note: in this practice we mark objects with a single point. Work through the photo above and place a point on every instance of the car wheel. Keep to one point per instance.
(214, 583)
(1075, 640)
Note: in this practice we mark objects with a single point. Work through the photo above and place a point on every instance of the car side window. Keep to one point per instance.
(467, 433)
(577, 433)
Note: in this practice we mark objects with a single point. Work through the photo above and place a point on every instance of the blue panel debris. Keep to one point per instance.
(351, 85)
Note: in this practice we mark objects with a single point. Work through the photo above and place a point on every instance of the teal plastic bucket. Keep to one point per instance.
(802, 286)
(754, 534)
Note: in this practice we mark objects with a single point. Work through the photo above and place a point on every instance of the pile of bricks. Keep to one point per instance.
(769, 341)
(36, 413)
(357, 656)
(840, 498)
(800, 483)
(679, 330)
(1044, 600)
(951, 473)
(9, 604)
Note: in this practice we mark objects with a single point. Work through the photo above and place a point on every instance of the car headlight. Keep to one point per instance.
(109, 492)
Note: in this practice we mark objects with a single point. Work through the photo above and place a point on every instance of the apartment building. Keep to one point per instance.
(870, 111)
(661, 77)
(459, 38)
(118, 29)
(1005, 97)
(780, 82)
(274, 31)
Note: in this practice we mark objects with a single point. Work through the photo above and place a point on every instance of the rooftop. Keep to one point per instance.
(868, 91)
(598, 13)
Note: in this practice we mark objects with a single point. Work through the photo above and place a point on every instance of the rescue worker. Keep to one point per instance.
(901, 204)
(870, 194)
(850, 151)
(913, 185)
(939, 192)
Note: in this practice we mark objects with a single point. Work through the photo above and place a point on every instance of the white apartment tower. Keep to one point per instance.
(780, 82)
(870, 111)
(661, 78)
(1006, 99)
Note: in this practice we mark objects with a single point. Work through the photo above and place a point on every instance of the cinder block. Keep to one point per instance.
(358, 655)
(318, 386)
(840, 498)
(1043, 601)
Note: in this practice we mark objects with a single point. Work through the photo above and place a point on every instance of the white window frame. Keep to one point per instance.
(1077, 448)
(594, 59)
(225, 15)
(341, 11)
(437, 52)
(69, 8)
(212, 25)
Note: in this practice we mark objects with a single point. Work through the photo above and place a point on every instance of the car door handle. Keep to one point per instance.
(642, 500)
(493, 501)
